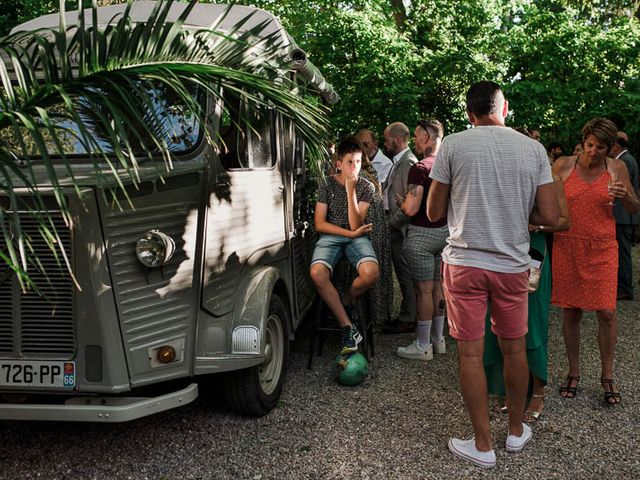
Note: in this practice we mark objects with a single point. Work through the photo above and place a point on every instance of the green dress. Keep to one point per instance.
(536, 336)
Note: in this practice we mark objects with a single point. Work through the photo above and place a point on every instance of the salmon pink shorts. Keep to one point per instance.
(469, 290)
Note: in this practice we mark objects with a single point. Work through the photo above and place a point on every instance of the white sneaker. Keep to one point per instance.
(466, 450)
(516, 444)
(414, 352)
(440, 347)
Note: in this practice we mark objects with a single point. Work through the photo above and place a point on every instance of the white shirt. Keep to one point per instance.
(398, 155)
(382, 166)
(622, 153)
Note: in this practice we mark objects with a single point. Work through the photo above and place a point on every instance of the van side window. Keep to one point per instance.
(232, 141)
(246, 136)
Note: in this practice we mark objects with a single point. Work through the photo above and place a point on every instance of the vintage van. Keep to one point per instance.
(208, 273)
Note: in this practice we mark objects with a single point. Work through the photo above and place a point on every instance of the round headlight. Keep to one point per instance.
(155, 248)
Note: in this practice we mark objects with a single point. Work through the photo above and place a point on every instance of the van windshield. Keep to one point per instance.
(167, 121)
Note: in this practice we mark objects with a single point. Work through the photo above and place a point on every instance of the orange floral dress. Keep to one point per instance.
(585, 257)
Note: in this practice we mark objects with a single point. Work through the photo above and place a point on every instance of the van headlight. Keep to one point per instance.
(155, 248)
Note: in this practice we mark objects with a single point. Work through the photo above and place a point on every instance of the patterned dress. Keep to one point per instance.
(382, 293)
(585, 258)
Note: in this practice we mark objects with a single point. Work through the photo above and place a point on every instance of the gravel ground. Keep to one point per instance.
(396, 425)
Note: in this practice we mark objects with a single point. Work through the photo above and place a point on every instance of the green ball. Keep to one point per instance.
(351, 369)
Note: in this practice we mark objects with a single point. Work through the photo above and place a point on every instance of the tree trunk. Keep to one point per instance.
(399, 14)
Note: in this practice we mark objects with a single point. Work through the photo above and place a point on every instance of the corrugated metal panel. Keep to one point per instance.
(6, 317)
(40, 324)
(144, 314)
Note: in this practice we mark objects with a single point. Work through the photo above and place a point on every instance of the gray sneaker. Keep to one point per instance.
(415, 352)
(516, 444)
(440, 347)
(466, 450)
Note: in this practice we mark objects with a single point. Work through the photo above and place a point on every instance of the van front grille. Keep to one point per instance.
(38, 324)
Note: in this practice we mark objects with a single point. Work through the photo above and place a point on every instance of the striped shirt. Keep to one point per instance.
(493, 173)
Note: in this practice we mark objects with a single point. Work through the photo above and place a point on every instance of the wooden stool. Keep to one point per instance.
(324, 322)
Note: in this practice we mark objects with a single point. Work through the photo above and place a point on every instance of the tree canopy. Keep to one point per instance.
(561, 62)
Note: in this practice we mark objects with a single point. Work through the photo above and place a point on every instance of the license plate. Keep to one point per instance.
(37, 374)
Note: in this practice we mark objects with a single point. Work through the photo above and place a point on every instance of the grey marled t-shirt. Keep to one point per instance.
(493, 173)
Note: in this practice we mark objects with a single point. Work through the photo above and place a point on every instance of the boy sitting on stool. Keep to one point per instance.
(342, 205)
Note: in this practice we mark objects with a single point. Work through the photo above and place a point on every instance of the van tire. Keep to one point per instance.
(255, 391)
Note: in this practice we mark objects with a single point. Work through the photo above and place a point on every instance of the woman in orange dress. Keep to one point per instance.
(585, 258)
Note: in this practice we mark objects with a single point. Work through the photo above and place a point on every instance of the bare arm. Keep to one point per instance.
(412, 201)
(563, 167)
(360, 214)
(357, 210)
(322, 226)
(622, 188)
(563, 222)
(547, 208)
(437, 200)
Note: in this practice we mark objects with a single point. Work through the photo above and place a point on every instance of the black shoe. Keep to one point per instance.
(396, 326)
(625, 296)
(350, 339)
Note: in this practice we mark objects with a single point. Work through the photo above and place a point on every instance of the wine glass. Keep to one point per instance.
(613, 178)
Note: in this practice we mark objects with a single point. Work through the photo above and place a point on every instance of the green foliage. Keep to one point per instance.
(15, 12)
(373, 67)
(561, 61)
(571, 70)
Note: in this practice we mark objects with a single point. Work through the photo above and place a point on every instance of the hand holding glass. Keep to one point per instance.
(613, 178)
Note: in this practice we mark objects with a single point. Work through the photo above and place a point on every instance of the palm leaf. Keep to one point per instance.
(101, 79)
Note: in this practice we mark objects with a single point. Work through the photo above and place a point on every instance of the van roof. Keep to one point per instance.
(203, 15)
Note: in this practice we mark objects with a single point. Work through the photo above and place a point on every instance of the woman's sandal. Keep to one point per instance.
(568, 390)
(611, 397)
(500, 408)
(531, 416)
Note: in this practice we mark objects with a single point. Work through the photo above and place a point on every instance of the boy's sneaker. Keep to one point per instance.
(415, 352)
(440, 347)
(350, 339)
(516, 444)
(466, 450)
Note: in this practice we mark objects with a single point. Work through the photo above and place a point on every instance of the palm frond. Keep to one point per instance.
(88, 83)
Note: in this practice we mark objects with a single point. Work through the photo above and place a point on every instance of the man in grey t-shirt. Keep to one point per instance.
(488, 179)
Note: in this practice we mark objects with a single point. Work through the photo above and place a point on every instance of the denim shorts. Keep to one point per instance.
(330, 249)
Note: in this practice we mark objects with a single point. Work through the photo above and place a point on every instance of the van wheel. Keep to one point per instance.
(256, 390)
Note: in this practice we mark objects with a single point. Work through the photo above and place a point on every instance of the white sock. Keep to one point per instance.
(423, 331)
(438, 329)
